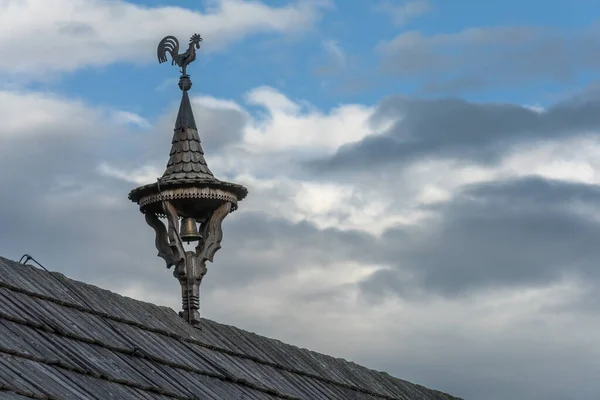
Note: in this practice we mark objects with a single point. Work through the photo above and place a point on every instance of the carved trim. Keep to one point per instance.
(175, 242)
(162, 240)
(212, 233)
(189, 193)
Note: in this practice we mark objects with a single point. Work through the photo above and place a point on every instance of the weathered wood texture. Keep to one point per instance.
(53, 346)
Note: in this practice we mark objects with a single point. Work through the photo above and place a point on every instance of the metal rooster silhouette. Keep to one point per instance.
(170, 45)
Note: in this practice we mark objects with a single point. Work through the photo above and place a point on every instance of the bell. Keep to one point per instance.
(189, 230)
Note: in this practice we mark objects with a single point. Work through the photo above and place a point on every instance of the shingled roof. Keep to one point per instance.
(186, 159)
(54, 346)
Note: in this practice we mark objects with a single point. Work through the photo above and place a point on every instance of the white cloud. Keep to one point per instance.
(127, 117)
(289, 131)
(63, 35)
(31, 113)
(272, 100)
(139, 176)
(575, 160)
(404, 11)
(535, 107)
(214, 103)
(287, 127)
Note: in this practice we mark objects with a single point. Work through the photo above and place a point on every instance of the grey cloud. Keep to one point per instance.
(525, 233)
(92, 232)
(505, 372)
(109, 244)
(494, 56)
(520, 233)
(452, 128)
(220, 127)
(511, 233)
(262, 247)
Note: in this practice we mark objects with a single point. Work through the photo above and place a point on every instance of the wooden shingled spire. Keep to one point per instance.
(186, 159)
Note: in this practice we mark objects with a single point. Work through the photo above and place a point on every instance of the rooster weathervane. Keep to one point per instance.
(170, 45)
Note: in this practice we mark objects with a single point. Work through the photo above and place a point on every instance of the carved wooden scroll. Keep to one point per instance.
(161, 240)
(212, 233)
(175, 241)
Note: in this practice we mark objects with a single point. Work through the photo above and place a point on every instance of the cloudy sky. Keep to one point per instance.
(424, 196)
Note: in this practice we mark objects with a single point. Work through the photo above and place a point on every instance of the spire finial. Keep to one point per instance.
(185, 83)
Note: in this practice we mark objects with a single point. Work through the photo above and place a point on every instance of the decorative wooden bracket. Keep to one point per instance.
(175, 242)
(212, 233)
(190, 267)
(167, 241)
(162, 240)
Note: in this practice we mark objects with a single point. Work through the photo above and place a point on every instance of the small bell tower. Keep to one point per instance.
(188, 195)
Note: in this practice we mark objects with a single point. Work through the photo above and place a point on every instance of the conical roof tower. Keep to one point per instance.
(186, 160)
(187, 194)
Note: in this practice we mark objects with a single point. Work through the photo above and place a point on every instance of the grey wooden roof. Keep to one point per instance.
(53, 346)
